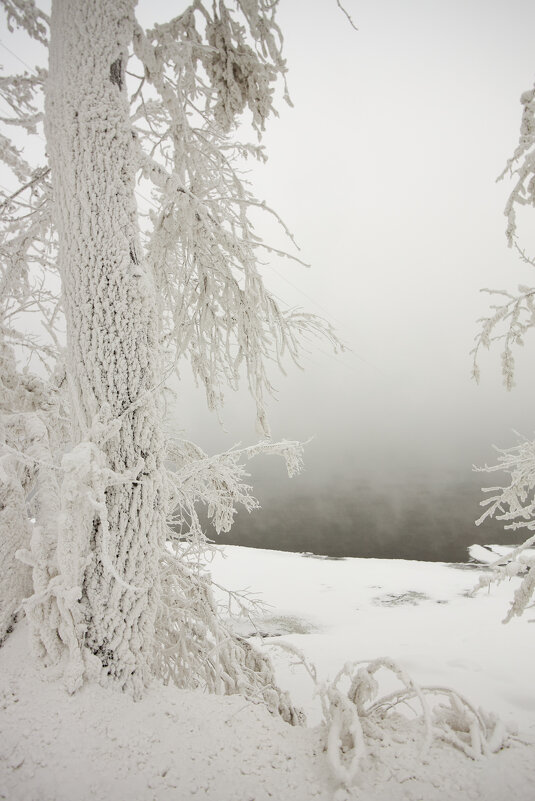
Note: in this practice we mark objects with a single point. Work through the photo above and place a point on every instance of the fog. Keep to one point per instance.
(385, 172)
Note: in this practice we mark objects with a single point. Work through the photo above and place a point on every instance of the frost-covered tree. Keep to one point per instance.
(100, 539)
(100, 531)
(507, 324)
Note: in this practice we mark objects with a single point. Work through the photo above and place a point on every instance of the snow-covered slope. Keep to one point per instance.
(179, 745)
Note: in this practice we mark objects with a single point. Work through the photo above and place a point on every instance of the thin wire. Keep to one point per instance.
(301, 291)
(146, 199)
(32, 69)
(330, 316)
(329, 355)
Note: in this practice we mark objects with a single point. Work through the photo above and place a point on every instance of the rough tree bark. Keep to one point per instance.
(112, 327)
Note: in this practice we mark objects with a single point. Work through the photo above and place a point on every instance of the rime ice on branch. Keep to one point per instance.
(508, 324)
(198, 73)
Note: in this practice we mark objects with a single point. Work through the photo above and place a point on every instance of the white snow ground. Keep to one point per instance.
(179, 745)
(418, 613)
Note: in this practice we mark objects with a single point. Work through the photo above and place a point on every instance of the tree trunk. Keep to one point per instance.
(112, 331)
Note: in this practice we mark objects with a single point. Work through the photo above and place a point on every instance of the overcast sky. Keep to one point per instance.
(385, 171)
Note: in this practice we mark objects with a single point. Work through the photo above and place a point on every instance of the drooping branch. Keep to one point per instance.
(25, 14)
(521, 166)
(510, 321)
(203, 69)
(508, 324)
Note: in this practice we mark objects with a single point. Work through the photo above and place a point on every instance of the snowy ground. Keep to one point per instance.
(178, 745)
(418, 613)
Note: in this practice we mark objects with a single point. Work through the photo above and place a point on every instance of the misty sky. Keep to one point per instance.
(385, 171)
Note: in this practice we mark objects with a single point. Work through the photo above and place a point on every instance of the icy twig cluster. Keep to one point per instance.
(217, 482)
(511, 319)
(508, 324)
(25, 14)
(359, 721)
(514, 504)
(33, 413)
(195, 648)
(199, 72)
(521, 166)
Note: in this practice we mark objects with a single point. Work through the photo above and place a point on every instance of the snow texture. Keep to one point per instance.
(108, 549)
(27, 407)
(182, 744)
(110, 599)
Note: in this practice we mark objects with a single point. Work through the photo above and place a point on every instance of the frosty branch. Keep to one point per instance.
(199, 73)
(508, 325)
